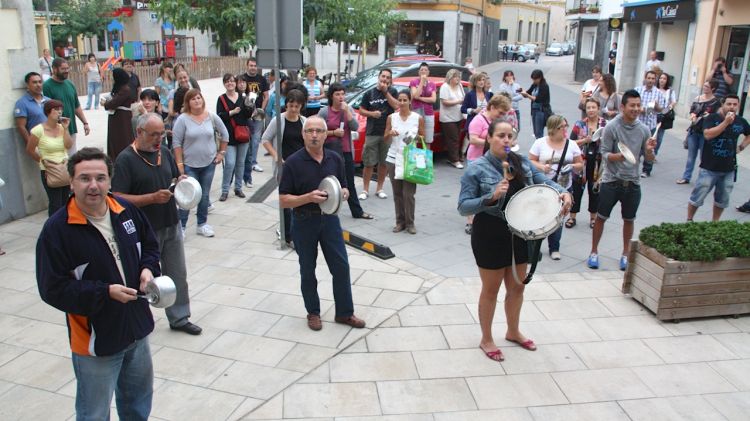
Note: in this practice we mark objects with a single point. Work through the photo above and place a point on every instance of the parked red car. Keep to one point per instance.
(400, 84)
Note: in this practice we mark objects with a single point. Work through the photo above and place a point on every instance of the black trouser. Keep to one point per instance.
(57, 196)
(577, 188)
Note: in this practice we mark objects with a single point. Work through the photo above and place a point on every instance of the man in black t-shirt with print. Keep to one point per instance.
(377, 104)
(142, 176)
(257, 84)
(719, 158)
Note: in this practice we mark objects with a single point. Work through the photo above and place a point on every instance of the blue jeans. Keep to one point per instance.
(129, 374)
(721, 182)
(518, 118)
(234, 164)
(205, 176)
(94, 88)
(695, 148)
(648, 166)
(538, 122)
(256, 130)
(309, 229)
(553, 241)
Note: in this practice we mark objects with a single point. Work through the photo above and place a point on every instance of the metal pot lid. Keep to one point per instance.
(188, 193)
(597, 134)
(332, 187)
(626, 153)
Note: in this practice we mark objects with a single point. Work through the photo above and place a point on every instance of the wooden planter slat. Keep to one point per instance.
(674, 289)
(697, 289)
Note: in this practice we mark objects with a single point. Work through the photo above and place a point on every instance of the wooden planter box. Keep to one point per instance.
(675, 290)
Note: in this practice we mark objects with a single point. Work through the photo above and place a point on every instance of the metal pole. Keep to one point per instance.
(49, 28)
(458, 34)
(277, 112)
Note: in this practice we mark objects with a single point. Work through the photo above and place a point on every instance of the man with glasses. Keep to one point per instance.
(298, 189)
(60, 88)
(143, 175)
(93, 257)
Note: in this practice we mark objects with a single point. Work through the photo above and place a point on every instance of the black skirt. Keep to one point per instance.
(491, 243)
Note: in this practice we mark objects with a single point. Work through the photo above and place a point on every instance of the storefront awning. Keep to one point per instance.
(659, 11)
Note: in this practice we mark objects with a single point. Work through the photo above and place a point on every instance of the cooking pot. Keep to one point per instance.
(160, 292)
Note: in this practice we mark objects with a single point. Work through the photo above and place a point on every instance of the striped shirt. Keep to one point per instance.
(648, 96)
(313, 89)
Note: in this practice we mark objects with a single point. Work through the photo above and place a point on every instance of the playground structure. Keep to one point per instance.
(170, 47)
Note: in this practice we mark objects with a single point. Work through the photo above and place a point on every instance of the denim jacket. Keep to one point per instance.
(479, 181)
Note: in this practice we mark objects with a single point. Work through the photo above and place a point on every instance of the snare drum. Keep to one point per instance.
(534, 212)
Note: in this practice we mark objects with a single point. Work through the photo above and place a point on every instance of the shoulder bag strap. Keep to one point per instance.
(562, 160)
(226, 107)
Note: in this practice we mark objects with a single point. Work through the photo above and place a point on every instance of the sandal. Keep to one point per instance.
(570, 223)
(591, 223)
(528, 344)
(365, 215)
(363, 195)
(381, 194)
(495, 355)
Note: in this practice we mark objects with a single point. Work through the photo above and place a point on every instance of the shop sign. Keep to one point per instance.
(661, 12)
(615, 24)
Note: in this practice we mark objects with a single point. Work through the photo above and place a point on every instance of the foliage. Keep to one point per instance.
(699, 241)
(233, 21)
(84, 17)
(356, 21)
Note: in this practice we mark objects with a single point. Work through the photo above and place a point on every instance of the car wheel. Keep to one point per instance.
(521, 59)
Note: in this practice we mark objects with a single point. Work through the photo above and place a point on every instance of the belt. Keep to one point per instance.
(307, 211)
(623, 183)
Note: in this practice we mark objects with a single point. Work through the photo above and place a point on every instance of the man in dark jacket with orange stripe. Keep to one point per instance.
(92, 258)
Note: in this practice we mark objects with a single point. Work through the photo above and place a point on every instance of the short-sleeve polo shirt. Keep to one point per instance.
(303, 174)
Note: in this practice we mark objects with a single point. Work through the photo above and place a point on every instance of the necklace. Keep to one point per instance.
(158, 156)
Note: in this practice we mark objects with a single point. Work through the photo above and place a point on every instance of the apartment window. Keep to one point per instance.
(544, 30)
(503, 36)
(528, 34)
(520, 31)
(536, 32)
(588, 42)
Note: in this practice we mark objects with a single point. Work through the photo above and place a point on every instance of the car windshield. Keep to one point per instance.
(369, 77)
(555, 45)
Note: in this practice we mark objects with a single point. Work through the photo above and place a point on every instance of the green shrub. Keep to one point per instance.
(699, 241)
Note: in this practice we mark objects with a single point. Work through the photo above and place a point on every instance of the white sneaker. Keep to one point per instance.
(257, 168)
(381, 194)
(211, 208)
(205, 230)
(363, 195)
(555, 255)
(459, 165)
(248, 184)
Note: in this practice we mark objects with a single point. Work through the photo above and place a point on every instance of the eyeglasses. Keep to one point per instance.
(315, 131)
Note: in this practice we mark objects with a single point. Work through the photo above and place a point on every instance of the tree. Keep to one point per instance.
(233, 21)
(84, 17)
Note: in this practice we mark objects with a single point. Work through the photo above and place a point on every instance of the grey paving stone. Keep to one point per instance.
(629, 327)
(390, 281)
(509, 414)
(331, 399)
(305, 357)
(733, 406)
(616, 354)
(546, 359)
(177, 401)
(356, 367)
(418, 396)
(582, 308)
(738, 343)
(188, 367)
(609, 411)
(406, 339)
(254, 381)
(38, 369)
(687, 349)
(601, 385)
(678, 408)
(455, 363)
(295, 329)
(23, 402)
(683, 379)
(249, 348)
(736, 371)
(240, 320)
(520, 390)
(435, 315)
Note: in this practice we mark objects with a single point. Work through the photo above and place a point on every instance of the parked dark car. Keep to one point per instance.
(567, 48)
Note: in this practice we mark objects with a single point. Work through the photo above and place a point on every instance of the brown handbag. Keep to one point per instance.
(56, 173)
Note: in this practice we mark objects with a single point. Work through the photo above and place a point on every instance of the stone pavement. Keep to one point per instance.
(602, 356)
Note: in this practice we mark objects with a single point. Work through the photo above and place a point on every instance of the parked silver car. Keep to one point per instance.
(554, 49)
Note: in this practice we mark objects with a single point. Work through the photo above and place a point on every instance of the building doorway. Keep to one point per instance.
(737, 63)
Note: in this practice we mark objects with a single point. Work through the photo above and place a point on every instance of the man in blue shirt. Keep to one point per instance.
(29, 109)
(298, 189)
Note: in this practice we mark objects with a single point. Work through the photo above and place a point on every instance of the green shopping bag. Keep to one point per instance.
(418, 163)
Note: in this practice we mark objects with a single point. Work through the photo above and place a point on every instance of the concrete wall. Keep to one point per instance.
(23, 193)
(672, 40)
(556, 23)
(513, 13)
(583, 66)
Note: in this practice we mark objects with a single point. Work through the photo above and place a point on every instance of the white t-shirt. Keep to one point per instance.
(590, 86)
(410, 126)
(550, 156)
(451, 113)
(104, 225)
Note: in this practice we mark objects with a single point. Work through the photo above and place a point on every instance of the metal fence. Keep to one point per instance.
(203, 68)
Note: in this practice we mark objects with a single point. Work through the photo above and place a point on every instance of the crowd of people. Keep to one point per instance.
(118, 201)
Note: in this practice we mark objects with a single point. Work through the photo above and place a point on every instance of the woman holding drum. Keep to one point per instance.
(486, 188)
(558, 158)
(582, 133)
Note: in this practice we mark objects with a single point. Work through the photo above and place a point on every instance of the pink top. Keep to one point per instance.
(426, 91)
(479, 126)
(334, 122)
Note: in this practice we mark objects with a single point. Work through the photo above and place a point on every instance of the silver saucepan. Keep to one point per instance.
(160, 292)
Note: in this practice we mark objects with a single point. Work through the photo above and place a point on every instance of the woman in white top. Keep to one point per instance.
(93, 80)
(451, 98)
(398, 127)
(196, 151)
(513, 89)
(547, 155)
(590, 87)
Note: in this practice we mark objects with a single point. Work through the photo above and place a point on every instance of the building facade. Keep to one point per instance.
(525, 21)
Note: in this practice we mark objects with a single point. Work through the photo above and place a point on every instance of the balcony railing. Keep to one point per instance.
(583, 7)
